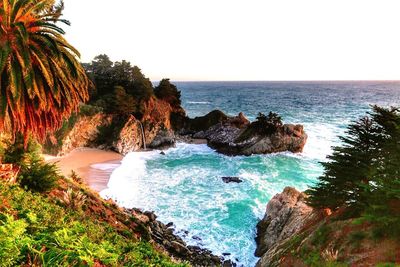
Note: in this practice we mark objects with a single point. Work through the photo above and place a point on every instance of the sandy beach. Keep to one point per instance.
(93, 165)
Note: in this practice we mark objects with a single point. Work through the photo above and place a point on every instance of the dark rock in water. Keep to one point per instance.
(228, 263)
(163, 139)
(195, 237)
(230, 179)
(230, 140)
(237, 136)
(201, 124)
(170, 224)
(162, 153)
(226, 254)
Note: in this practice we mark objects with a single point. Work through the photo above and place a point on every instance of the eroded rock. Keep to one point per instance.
(286, 214)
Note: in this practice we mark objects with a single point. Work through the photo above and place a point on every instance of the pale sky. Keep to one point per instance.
(242, 40)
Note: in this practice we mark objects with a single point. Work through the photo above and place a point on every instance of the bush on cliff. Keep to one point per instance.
(363, 174)
(35, 174)
(106, 75)
(266, 125)
(168, 92)
(263, 125)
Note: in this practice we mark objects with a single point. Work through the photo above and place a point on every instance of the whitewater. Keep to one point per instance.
(184, 186)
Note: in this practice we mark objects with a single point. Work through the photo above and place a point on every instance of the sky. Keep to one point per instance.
(242, 39)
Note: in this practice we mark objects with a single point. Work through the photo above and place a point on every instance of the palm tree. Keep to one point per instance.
(41, 79)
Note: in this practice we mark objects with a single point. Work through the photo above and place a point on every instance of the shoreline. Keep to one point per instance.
(93, 165)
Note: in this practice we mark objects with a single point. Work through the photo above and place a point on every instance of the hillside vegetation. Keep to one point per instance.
(63, 223)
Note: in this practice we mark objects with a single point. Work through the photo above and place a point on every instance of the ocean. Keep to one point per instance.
(184, 186)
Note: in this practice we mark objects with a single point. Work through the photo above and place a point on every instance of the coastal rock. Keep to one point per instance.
(159, 120)
(237, 136)
(286, 214)
(130, 137)
(163, 139)
(164, 236)
(199, 125)
(230, 140)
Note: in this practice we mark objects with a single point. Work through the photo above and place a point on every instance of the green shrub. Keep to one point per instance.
(321, 236)
(264, 125)
(357, 236)
(168, 92)
(13, 240)
(47, 234)
(16, 152)
(89, 110)
(75, 177)
(39, 176)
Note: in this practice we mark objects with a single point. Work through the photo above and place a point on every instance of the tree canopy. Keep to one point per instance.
(168, 92)
(41, 79)
(363, 174)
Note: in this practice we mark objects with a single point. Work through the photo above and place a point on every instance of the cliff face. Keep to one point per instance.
(285, 216)
(84, 132)
(160, 122)
(126, 137)
(294, 234)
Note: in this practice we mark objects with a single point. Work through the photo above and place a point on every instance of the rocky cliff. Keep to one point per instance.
(160, 124)
(155, 129)
(294, 234)
(286, 214)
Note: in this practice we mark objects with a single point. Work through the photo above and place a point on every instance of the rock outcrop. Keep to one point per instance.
(294, 234)
(236, 136)
(159, 120)
(84, 132)
(286, 215)
(163, 234)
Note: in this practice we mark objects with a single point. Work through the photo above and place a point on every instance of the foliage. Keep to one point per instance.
(33, 226)
(142, 86)
(363, 174)
(41, 80)
(108, 133)
(119, 102)
(35, 174)
(321, 236)
(54, 141)
(75, 177)
(12, 240)
(119, 87)
(72, 199)
(89, 110)
(16, 152)
(267, 124)
(168, 92)
(264, 125)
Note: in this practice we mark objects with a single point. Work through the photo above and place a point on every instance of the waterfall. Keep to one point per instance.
(143, 137)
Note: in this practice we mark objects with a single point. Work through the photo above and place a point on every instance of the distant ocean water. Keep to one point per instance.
(185, 185)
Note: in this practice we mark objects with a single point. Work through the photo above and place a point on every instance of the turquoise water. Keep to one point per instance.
(185, 187)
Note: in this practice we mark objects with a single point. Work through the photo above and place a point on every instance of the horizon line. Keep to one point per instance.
(280, 80)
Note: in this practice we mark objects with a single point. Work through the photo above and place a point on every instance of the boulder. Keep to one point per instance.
(164, 139)
(286, 214)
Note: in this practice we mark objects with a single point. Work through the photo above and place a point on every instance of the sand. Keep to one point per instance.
(84, 161)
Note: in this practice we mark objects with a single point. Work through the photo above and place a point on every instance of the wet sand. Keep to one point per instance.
(93, 165)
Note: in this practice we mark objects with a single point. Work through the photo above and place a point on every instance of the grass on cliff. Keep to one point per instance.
(39, 229)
